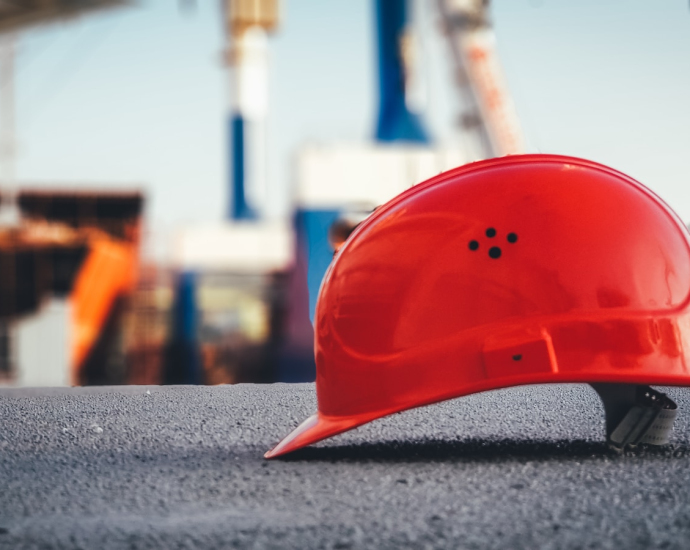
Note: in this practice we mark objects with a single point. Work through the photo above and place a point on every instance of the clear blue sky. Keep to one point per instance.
(139, 96)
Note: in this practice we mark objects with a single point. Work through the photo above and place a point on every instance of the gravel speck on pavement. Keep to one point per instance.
(182, 467)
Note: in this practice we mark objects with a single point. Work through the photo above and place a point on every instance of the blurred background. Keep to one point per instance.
(176, 175)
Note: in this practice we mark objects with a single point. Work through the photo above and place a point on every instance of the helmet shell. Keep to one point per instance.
(523, 269)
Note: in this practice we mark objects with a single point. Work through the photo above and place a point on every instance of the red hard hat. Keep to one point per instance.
(519, 270)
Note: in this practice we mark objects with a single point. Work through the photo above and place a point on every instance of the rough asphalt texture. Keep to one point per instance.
(182, 467)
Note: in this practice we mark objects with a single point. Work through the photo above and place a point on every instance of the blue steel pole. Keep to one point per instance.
(239, 209)
(395, 121)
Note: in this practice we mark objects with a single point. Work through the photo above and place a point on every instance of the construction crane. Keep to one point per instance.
(247, 24)
(489, 120)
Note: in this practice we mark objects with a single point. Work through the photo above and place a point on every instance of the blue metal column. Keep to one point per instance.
(311, 229)
(239, 209)
(182, 361)
(395, 121)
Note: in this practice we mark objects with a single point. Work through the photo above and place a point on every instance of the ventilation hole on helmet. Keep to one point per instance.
(495, 252)
(474, 245)
(512, 237)
(491, 232)
(517, 357)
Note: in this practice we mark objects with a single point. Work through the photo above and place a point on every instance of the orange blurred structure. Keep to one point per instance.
(81, 245)
(108, 273)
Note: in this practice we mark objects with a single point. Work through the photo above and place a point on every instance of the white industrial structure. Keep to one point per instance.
(489, 120)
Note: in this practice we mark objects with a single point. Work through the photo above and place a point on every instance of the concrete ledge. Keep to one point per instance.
(182, 467)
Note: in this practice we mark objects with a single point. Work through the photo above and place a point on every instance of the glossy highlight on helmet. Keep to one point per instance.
(519, 270)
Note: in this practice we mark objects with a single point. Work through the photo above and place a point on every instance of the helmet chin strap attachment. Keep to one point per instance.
(636, 414)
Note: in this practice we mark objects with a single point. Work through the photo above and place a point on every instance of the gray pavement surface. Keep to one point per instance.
(182, 467)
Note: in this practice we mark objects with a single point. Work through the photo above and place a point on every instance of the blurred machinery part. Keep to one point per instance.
(397, 120)
(247, 24)
(110, 223)
(37, 266)
(244, 247)
(65, 271)
(234, 307)
(20, 14)
(489, 119)
(241, 320)
(345, 224)
(241, 15)
(343, 181)
(237, 310)
(114, 213)
(339, 182)
(146, 324)
(336, 183)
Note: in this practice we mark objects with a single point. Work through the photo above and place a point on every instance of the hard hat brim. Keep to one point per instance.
(315, 428)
